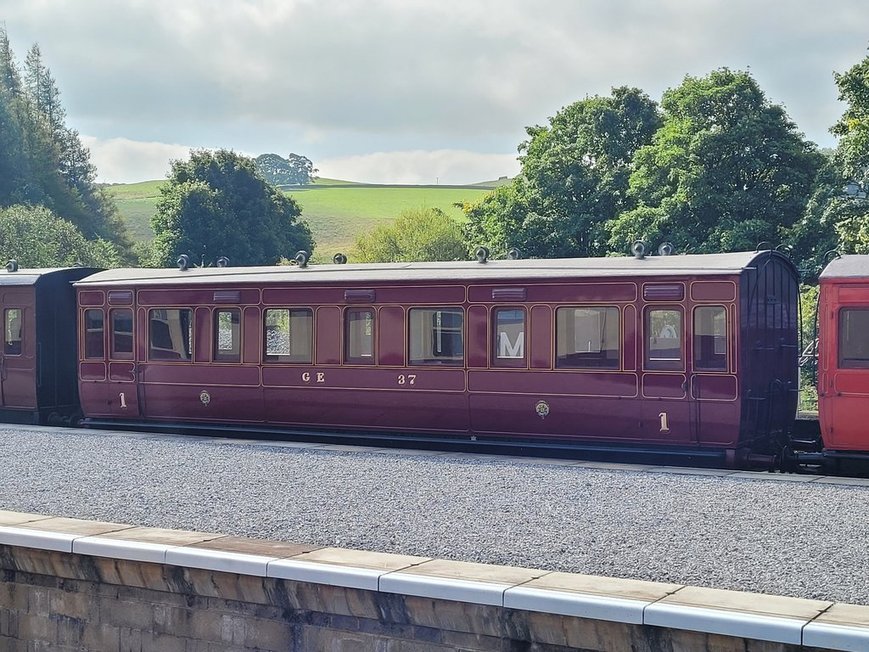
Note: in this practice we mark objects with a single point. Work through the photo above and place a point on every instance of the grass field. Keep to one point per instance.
(336, 211)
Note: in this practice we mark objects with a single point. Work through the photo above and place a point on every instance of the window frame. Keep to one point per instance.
(9, 342)
(434, 360)
(663, 364)
(86, 332)
(114, 352)
(226, 355)
(190, 337)
(841, 361)
(281, 358)
(695, 340)
(510, 362)
(363, 359)
(561, 362)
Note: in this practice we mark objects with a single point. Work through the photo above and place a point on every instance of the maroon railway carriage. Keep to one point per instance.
(39, 357)
(693, 352)
(843, 357)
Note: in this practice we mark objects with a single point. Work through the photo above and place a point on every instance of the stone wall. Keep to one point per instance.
(222, 594)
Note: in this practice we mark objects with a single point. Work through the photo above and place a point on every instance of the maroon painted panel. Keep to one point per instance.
(540, 329)
(202, 343)
(92, 370)
(390, 335)
(667, 421)
(232, 375)
(561, 292)
(190, 297)
(90, 297)
(124, 372)
(713, 291)
(586, 383)
(203, 402)
(328, 335)
(664, 385)
(601, 419)
(251, 335)
(93, 399)
(410, 294)
(366, 378)
(326, 407)
(713, 387)
(478, 339)
(630, 350)
(718, 423)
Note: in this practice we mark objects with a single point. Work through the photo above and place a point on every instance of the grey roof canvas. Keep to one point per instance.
(854, 266)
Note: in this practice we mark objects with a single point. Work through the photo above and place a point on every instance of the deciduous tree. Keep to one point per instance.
(726, 171)
(216, 204)
(422, 234)
(574, 179)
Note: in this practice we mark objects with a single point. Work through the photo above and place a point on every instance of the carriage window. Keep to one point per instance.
(93, 334)
(664, 339)
(227, 335)
(509, 337)
(854, 337)
(289, 335)
(710, 338)
(587, 337)
(437, 336)
(359, 335)
(171, 333)
(12, 330)
(122, 334)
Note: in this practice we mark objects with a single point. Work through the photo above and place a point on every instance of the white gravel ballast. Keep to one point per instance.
(759, 534)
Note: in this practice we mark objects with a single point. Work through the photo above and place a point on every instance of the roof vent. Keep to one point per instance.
(223, 261)
(12, 266)
(639, 249)
(301, 258)
(665, 249)
(514, 254)
(339, 259)
(482, 254)
(183, 262)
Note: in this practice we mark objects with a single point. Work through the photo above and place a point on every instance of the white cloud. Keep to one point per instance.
(332, 80)
(120, 160)
(444, 166)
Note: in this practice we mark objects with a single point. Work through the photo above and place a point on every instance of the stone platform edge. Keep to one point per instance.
(795, 621)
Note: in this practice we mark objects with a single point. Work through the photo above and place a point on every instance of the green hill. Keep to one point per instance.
(336, 211)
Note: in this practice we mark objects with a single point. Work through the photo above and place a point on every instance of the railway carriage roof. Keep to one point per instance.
(854, 266)
(492, 271)
(25, 277)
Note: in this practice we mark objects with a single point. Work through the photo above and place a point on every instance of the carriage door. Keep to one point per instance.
(122, 381)
(17, 355)
(667, 414)
(713, 387)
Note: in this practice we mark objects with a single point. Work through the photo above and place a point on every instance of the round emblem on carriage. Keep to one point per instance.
(205, 397)
(542, 409)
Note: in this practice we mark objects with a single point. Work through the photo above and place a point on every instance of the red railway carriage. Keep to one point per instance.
(843, 356)
(38, 357)
(693, 353)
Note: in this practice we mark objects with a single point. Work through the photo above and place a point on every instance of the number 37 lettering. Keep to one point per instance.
(409, 379)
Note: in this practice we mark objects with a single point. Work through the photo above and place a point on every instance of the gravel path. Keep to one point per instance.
(786, 538)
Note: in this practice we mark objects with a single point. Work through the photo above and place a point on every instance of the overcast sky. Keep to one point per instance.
(405, 91)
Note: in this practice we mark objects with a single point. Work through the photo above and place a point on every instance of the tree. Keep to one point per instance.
(36, 237)
(574, 179)
(851, 208)
(295, 170)
(216, 204)
(43, 162)
(421, 234)
(726, 171)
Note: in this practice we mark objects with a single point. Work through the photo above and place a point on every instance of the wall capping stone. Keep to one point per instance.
(776, 619)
